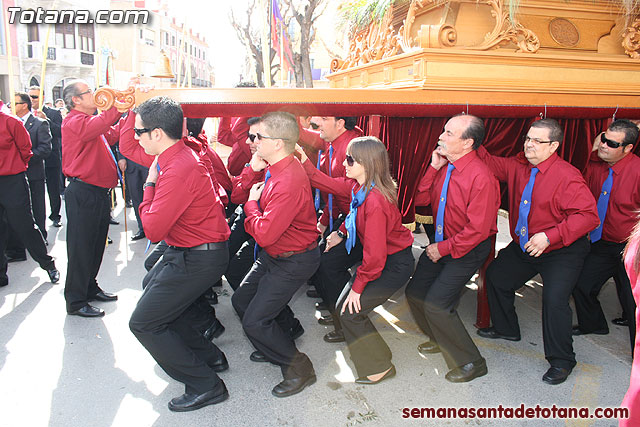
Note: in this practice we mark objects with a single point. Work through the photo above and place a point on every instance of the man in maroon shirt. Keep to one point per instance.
(618, 203)
(15, 202)
(465, 197)
(182, 207)
(550, 212)
(281, 218)
(92, 170)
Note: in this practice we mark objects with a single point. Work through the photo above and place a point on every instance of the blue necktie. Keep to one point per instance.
(316, 200)
(149, 241)
(357, 199)
(603, 204)
(522, 226)
(330, 197)
(442, 204)
(112, 157)
(256, 248)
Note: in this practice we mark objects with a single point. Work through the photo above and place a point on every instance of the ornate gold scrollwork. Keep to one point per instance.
(507, 31)
(444, 35)
(631, 39)
(378, 41)
(106, 97)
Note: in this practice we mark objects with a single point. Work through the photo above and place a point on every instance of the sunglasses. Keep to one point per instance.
(34, 96)
(140, 131)
(252, 137)
(350, 160)
(261, 137)
(610, 143)
(536, 140)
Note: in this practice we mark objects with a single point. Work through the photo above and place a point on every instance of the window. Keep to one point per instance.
(66, 36)
(173, 40)
(149, 36)
(32, 33)
(86, 35)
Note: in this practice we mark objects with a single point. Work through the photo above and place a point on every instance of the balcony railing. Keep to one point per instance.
(86, 58)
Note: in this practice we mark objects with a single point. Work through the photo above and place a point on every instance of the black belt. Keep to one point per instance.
(290, 253)
(74, 179)
(202, 247)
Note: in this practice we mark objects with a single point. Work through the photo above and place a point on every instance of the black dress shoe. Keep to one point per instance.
(429, 347)
(87, 311)
(389, 374)
(138, 236)
(293, 386)
(128, 204)
(556, 375)
(465, 373)
(296, 331)
(191, 402)
(326, 320)
(258, 356)
(113, 221)
(334, 336)
(322, 306)
(54, 275)
(16, 258)
(56, 223)
(104, 297)
(577, 331)
(620, 321)
(312, 293)
(109, 241)
(220, 364)
(214, 331)
(493, 334)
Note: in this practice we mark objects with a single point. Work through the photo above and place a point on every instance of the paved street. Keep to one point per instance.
(60, 370)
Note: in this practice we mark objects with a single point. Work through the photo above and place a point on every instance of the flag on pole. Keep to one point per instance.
(279, 36)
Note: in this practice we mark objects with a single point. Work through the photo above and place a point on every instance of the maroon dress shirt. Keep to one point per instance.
(15, 146)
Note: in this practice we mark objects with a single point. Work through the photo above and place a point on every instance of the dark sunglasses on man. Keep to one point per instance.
(252, 137)
(610, 143)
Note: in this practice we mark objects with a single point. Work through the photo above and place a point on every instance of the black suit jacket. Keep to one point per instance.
(55, 125)
(40, 145)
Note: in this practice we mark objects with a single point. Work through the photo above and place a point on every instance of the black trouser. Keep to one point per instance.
(369, 353)
(603, 262)
(261, 299)
(15, 206)
(560, 270)
(87, 208)
(53, 189)
(240, 264)
(159, 321)
(15, 246)
(333, 274)
(135, 177)
(433, 295)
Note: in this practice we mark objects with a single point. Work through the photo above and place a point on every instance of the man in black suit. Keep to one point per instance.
(41, 147)
(53, 163)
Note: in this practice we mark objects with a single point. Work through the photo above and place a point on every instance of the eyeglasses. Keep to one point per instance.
(261, 137)
(610, 143)
(350, 160)
(34, 96)
(82, 93)
(536, 140)
(142, 130)
(252, 137)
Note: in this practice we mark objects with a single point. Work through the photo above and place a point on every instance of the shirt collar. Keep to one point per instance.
(281, 165)
(546, 165)
(463, 161)
(169, 153)
(622, 163)
(25, 117)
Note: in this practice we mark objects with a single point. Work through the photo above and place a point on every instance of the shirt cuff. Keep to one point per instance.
(553, 235)
(358, 285)
(444, 247)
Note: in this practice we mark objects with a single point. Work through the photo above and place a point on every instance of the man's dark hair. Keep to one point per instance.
(24, 97)
(475, 130)
(628, 127)
(556, 133)
(194, 126)
(349, 122)
(162, 112)
(246, 84)
(253, 120)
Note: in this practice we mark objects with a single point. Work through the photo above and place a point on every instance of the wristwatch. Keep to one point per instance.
(341, 234)
(148, 184)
